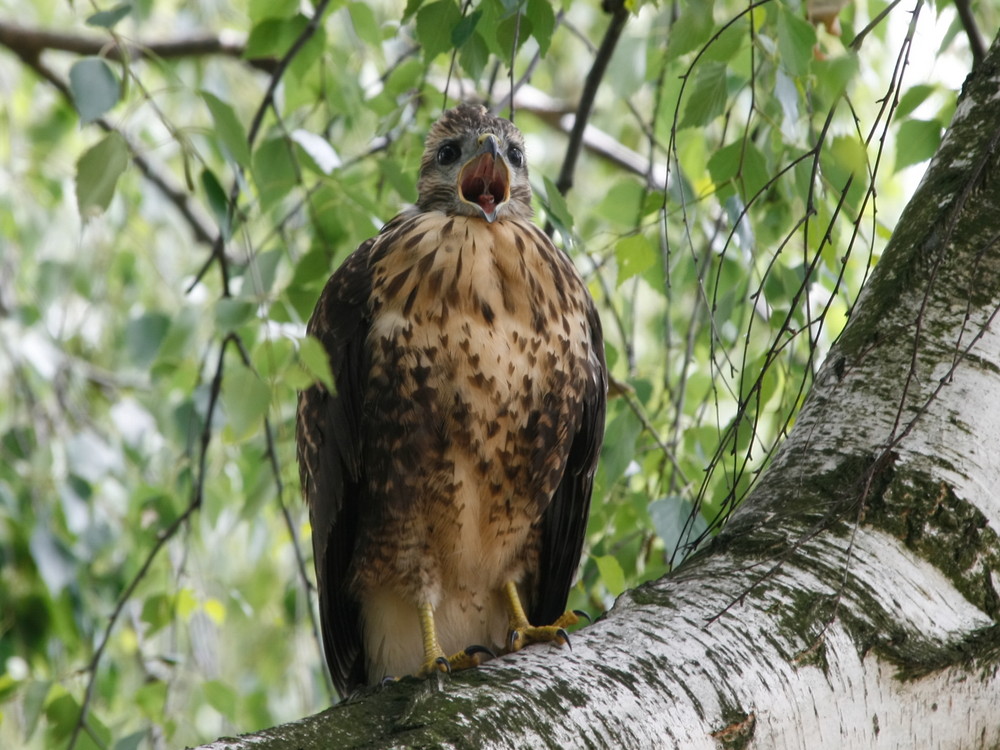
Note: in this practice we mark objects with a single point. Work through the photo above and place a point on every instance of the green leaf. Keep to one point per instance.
(833, 76)
(671, 517)
(555, 206)
(475, 55)
(143, 337)
(94, 86)
(261, 272)
(221, 697)
(108, 18)
(743, 163)
(543, 23)
(412, 6)
(97, 174)
(913, 98)
(435, 25)
(321, 154)
(365, 24)
(916, 142)
(132, 741)
(231, 313)
(246, 399)
(151, 699)
(509, 28)
(218, 201)
(707, 100)
(229, 128)
(273, 171)
(796, 40)
(261, 9)
(692, 28)
(611, 574)
(634, 254)
(157, 611)
(272, 37)
(465, 28)
(316, 361)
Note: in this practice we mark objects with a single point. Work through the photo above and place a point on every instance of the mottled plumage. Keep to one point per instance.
(449, 476)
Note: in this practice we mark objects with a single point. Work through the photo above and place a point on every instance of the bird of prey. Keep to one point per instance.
(449, 473)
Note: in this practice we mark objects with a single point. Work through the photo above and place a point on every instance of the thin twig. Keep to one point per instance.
(165, 536)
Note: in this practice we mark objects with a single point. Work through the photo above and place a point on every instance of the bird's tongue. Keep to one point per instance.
(484, 182)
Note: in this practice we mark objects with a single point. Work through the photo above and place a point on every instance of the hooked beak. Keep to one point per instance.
(484, 181)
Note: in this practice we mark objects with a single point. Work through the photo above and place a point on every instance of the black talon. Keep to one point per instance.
(561, 633)
(584, 615)
(444, 663)
(477, 649)
(512, 639)
(387, 680)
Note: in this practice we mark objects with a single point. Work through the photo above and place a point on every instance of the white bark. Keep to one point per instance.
(852, 600)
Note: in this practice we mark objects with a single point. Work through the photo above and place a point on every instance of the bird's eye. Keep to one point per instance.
(448, 154)
(516, 156)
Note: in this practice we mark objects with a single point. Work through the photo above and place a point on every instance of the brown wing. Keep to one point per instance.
(564, 522)
(328, 432)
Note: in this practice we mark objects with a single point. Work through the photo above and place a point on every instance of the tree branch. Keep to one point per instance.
(202, 228)
(976, 43)
(619, 16)
(31, 43)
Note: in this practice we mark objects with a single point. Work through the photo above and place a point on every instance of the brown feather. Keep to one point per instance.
(458, 451)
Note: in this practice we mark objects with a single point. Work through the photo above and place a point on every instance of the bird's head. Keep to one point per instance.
(474, 165)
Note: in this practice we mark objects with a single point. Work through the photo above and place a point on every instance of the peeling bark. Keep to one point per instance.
(852, 600)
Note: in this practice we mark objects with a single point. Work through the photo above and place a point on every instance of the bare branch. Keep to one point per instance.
(31, 43)
(619, 15)
(976, 43)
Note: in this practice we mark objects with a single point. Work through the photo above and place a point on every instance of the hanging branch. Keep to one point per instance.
(619, 15)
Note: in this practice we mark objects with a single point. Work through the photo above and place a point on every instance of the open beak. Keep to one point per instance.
(485, 179)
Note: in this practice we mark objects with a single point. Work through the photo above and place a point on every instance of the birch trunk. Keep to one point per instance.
(852, 600)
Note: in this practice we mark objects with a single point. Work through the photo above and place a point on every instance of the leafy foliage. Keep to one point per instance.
(168, 221)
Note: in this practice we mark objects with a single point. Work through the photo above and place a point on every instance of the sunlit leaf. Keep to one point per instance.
(365, 24)
(917, 141)
(611, 574)
(634, 254)
(912, 98)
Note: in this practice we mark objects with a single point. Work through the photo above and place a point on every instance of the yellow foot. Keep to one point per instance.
(523, 634)
(470, 657)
